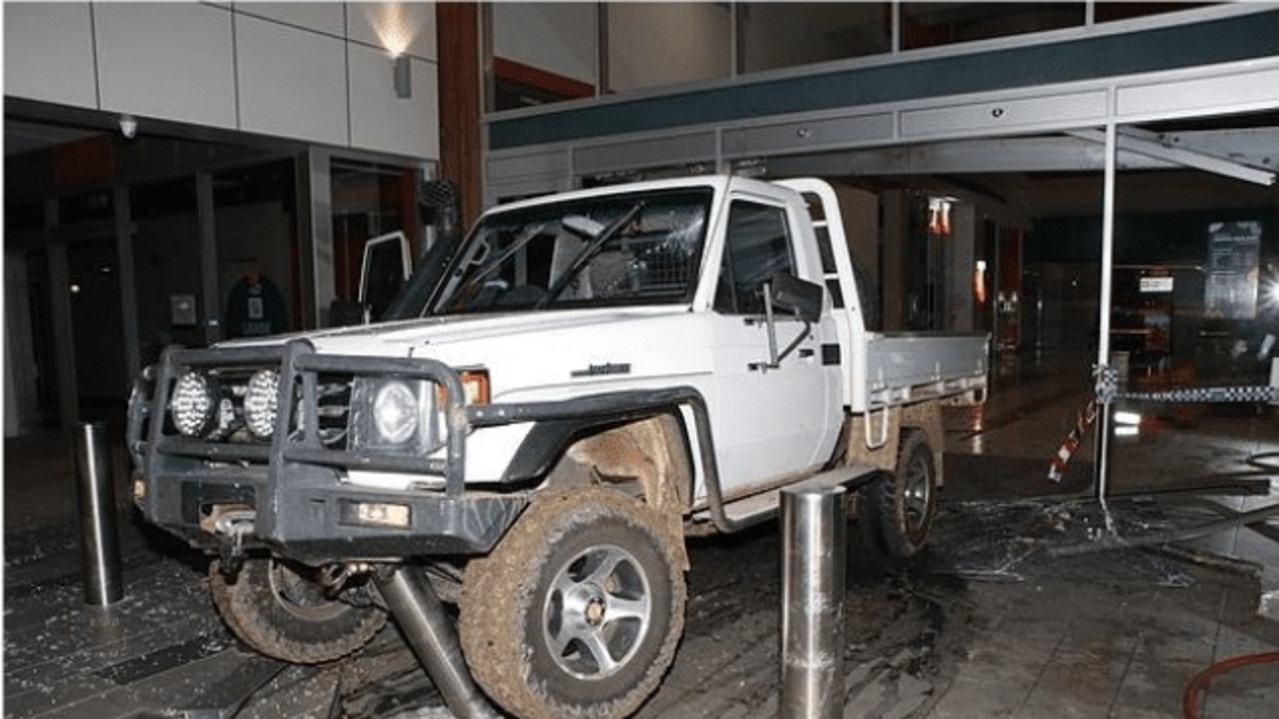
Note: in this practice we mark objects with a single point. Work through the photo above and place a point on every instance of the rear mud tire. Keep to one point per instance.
(276, 608)
(898, 509)
(578, 610)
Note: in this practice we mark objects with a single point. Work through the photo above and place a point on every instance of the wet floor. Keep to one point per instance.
(1032, 601)
(989, 625)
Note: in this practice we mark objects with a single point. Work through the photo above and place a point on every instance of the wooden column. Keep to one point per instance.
(458, 37)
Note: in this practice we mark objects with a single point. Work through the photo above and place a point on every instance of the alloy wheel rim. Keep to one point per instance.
(597, 612)
(918, 491)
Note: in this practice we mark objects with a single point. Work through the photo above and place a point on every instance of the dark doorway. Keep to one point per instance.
(93, 273)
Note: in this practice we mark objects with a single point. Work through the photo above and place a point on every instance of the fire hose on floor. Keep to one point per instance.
(1197, 687)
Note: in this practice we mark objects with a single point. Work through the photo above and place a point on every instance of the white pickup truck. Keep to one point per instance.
(592, 377)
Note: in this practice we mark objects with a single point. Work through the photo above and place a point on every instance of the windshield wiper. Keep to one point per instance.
(525, 237)
(516, 246)
(582, 258)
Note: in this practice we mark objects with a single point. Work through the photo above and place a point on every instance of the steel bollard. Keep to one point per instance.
(426, 628)
(814, 550)
(99, 543)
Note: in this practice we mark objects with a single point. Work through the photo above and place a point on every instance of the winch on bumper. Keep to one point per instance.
(223, 469)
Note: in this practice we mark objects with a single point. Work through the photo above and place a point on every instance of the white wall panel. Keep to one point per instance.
(1236, 91)
(166, 60)
(325, 17)
(379, 120)
(510, 168)
(646, 152)
(562, 38)
(808, 135)
(292, 83)
(410, 25)
(1013, 114)
(48, 53)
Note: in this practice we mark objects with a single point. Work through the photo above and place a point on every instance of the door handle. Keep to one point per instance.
(804, 353)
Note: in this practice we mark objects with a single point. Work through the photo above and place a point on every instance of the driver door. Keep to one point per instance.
(769, 423)
(386, 267)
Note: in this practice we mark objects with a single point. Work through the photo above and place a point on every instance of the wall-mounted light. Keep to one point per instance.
(395, 28)
(128, 126)
(401, 77)
(395, 25)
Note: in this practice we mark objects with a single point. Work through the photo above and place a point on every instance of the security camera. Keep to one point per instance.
(128, 126)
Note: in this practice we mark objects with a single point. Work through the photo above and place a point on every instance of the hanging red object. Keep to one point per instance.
(939, 216)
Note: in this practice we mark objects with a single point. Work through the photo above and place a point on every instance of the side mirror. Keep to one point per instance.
(792, 294)
(788, 293)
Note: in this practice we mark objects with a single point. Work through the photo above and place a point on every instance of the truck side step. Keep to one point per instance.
(765, 505)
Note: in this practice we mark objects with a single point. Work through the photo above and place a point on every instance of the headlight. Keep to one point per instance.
(261, 402)
(395, 412)
(407, 415)
(192, 404)
(391, 414)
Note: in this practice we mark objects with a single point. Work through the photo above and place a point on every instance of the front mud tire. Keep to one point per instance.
(276, 608)
(578, 610)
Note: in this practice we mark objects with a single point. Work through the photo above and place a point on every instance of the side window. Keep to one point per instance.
(757, 247)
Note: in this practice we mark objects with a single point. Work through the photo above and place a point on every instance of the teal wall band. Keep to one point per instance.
(1204, 43)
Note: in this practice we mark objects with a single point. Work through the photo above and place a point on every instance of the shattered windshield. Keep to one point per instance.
(630, 249)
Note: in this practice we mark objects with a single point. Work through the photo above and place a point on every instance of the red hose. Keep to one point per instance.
(1198, 685)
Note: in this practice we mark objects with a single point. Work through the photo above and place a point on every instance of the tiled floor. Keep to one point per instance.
(1064, 648)
(1114, 645)
(1026, 633)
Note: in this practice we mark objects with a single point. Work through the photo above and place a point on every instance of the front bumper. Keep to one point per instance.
(289, 495)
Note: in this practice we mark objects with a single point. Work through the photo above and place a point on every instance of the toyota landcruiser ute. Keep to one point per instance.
(537, 425)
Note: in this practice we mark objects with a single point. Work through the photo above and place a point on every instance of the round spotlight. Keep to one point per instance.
(192, 404)
(261, 403)
(395, 412)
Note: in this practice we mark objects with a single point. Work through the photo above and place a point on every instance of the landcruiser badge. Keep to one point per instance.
(599, 369)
